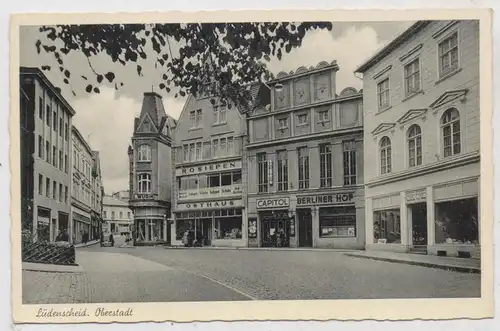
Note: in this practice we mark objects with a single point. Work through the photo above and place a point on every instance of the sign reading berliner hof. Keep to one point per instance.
(250, 165)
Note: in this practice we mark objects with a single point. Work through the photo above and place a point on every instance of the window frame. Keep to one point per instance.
(350, 162)
(416, 139)
(262, 173)
(385, 154)
(441, 73)
(325, 165)
(144, 153)
(413, 76)
(381, 92)
(282, 165)
(451, 124)
(303, 167)
(144, 178)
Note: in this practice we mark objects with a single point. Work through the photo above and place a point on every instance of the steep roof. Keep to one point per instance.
(152, 104)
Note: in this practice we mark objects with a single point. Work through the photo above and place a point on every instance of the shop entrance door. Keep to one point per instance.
(419, 227)
(275, 232)
(203, 230)
(305, 228)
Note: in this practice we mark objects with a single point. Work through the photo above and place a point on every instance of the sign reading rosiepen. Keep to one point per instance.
(205, 168)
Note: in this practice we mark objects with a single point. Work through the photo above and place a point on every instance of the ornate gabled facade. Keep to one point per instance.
(150, 172)
(305, 162)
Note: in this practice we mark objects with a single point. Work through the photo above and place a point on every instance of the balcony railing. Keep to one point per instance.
(211, 192)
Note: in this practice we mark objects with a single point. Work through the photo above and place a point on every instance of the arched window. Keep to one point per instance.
(144, 181)
(450, 126)
(414, 145)
(385, 156)
(144, 153)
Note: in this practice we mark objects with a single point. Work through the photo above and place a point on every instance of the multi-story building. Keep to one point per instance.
(208, 196)
(97, 197)
(81, 189)
(118, 217)
(150, 172)
(421, 111)
(46, 118)
(305, 162)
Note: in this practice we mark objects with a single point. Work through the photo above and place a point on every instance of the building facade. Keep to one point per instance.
(208, 196)
(122, 195)
(151, 172)
(81, 188)
(46, 120)
(118, 217)
(97, 198)
(421, 110)
(305, 163)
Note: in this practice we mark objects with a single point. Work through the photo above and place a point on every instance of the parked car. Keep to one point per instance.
(105, 242)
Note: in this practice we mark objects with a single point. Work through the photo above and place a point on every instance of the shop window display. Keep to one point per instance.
(337, 222)
(457, 222)
(387, 226)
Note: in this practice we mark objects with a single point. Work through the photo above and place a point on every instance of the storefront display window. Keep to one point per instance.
(457, 222)
(228, 224)
(387, 226)
(337, 222)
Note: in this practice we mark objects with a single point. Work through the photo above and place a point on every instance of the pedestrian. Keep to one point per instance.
(112, 240)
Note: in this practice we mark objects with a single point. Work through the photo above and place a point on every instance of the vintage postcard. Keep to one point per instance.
(275, 165)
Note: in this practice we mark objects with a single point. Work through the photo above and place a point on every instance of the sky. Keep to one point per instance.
(106, 119)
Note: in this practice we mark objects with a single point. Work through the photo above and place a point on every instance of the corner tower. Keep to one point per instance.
(150, 172)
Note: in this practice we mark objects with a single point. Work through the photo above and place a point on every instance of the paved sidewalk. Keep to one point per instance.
(467, 265)
(288, 249)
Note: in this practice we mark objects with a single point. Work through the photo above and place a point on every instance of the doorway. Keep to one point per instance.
(276, 230)
(305, 228)
(203, 230)
(419, 224)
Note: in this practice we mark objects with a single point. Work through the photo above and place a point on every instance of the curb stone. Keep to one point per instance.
(463, 269)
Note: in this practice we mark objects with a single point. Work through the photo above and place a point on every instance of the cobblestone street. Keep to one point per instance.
(155, 274)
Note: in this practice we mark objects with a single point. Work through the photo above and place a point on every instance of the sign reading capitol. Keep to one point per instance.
(273, 203)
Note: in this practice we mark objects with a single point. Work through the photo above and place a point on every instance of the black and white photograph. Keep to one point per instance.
(242, 161)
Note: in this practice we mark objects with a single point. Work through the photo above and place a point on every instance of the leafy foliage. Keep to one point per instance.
(221, 59)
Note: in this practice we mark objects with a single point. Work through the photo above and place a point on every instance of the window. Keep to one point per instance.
(144, 153)
(121, 215)
(325, 165)
(61, 192)
(48, 113)
(66, 194)
(144, 183)
(383, 93)
(40, 147)
(185, 153)
(282, 170)
(303, 157)
(385, 156)
(40, 184)
(60, 127)
(54, 190)
(230, 146)
(47, 151)
(337, 222)
(414, 146)
(113, 215)
(191, 152)
(207, 150)
(302, 119)
(222, 147)
(54, 123)
(61, 164)
(387, 226)
(412, 77)
(262, 172)
(47, 187)
(450, 126)
(40, 108)
(66, 132)
(215, 148)
(282, 124)
(195, 118)
(128, 214)
(349, 148)
(104, 214)
(448, 55)
(198, 151)
(66, 163)
(323, 116)
(54, 156)
(220, 116)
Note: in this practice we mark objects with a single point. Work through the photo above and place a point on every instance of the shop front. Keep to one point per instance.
(440, 219)
(81, 227)
(276, 222)
(150, 226)
(210, 223)
(331, 220)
